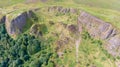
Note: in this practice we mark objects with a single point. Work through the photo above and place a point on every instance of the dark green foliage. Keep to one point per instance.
(4, 63)
(51, 64)
(86, 35)
(98, 42)
(35, 63)
(26, 57)
(17, 63)
(33, 17)
(118, 57)
(14, 53)
(33, 47)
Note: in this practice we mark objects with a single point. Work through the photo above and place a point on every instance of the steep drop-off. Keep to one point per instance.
(16, 25)
(69, 43)
(101, 30)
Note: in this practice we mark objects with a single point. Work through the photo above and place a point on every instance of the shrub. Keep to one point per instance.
(26, 57)
(50, 64)
(33, 48)
(35, 63)
(17, 63)
(86, 35)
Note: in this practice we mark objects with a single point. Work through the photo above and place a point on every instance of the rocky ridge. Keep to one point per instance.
(101, 30)
(2, 19)
(14, 26)
(62, 10)
(96, 27)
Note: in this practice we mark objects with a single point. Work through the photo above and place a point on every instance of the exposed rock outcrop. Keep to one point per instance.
(32, 1)
(2, 20)
(101, 30)
(96, 27)
(73, 28)
(15, 26)
(113, 45)
(62, 10)
(35, 1)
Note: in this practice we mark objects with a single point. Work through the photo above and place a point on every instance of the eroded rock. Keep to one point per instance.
(113, 45)
(73, 28)
(2, 20)
(15, 25)
(96, 27)
(62, 10)
(101, 30)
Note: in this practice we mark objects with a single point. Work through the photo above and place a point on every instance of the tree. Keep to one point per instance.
(35, 63)
(33, 48)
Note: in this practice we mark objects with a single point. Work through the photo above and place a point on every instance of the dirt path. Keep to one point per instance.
(77, 43)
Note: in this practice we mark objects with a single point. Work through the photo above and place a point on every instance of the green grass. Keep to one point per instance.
(108, 4)
(104, 13)
(91, 51)
(5, 3)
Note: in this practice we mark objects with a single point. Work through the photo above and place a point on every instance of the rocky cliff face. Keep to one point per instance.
(2, 20)
(101, 30)
(96, 27)
(15, 26)
(62, 10)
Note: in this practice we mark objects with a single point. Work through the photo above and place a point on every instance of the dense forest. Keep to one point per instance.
(14, 53)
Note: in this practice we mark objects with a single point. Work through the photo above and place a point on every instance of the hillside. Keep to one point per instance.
(59, 33)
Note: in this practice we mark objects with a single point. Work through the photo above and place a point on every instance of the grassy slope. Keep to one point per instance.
(94, 55)
(5, 3)
(107, 14)
(109, 4)
(90, 53)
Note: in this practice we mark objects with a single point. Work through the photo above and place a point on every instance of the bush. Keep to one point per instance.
(17, 63)
(26, 57)
(35, 63)
(21, 48)
(86, 35)
(33, 48)
(50, 64)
